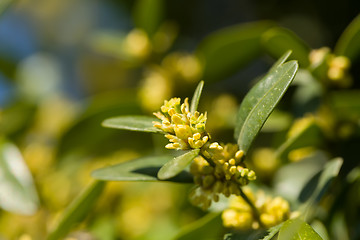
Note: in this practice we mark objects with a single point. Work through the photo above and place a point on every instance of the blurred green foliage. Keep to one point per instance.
(66, 66)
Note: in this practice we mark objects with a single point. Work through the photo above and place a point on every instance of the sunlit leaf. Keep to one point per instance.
(177, 164)
(17, 190)
(77, 210)
(297, 229)
(208, 227)
(260, 102)
(196, 98)
(349, 42)
(132, 123)
(226, 51)
(148, 15)
(141, 169)
(277, 41)
(281, 60)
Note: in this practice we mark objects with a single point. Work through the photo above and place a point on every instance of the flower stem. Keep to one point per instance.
(252, 206)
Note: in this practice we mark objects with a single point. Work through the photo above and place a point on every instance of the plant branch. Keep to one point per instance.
(252, 206)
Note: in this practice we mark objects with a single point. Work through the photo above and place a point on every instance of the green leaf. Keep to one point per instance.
(236, 46)
(289, 183)
(208, 227)
(272, 232)
(17, 190)
(277, 41)
(260, 102)
(330, 171)
(77, 210)
(281, 60)
(349, 42)
(196, 98)
(297, 229)
(177, 164)
(141, 169)
(132, 123)
(148, 15)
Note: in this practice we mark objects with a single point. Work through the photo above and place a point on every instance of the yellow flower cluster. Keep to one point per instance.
(226, 176)
(272, 211)
(183, 129)
(336, 67)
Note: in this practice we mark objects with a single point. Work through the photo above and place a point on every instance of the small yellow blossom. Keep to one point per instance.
(184, 129)
(272, 211)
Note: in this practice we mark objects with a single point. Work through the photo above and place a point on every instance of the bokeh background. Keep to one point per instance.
(65, 66)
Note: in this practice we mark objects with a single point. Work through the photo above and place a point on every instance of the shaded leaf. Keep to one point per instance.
(330, 171)
(132, 123)
(260, 102)
(177, 164)
(208, 227)
(289, 183)
(345, 104)
(17, 190)
(349, 42)
(297, 229)
(236, 46)
(77, 210)
(148, 15)
(277, 41)
(141, 169)
(196, 98)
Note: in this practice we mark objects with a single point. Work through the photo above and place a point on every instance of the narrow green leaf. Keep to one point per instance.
(208, 227)
(141, 169)
(260, 102)
(77, 210)
(289, 183)
(277, 41)
(281, 60)
(330, 171)
(345, 104)
(132, 123)
(196, 98)
(349, 42)
(236, 46)
(17, 190)
(148, 15)
(272, 232)
(177, 164)
(297, 229)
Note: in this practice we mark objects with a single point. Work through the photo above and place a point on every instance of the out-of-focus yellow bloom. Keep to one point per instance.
(183, 66)
(223, 112)
(272, 211)
(335, 69)
(300, 125)
(183, 129)
(300, 153)
(265, 161)
(155, 87)
(137, 44)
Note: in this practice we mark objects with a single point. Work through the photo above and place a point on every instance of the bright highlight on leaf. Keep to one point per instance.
(261, 101)
(297, 229)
